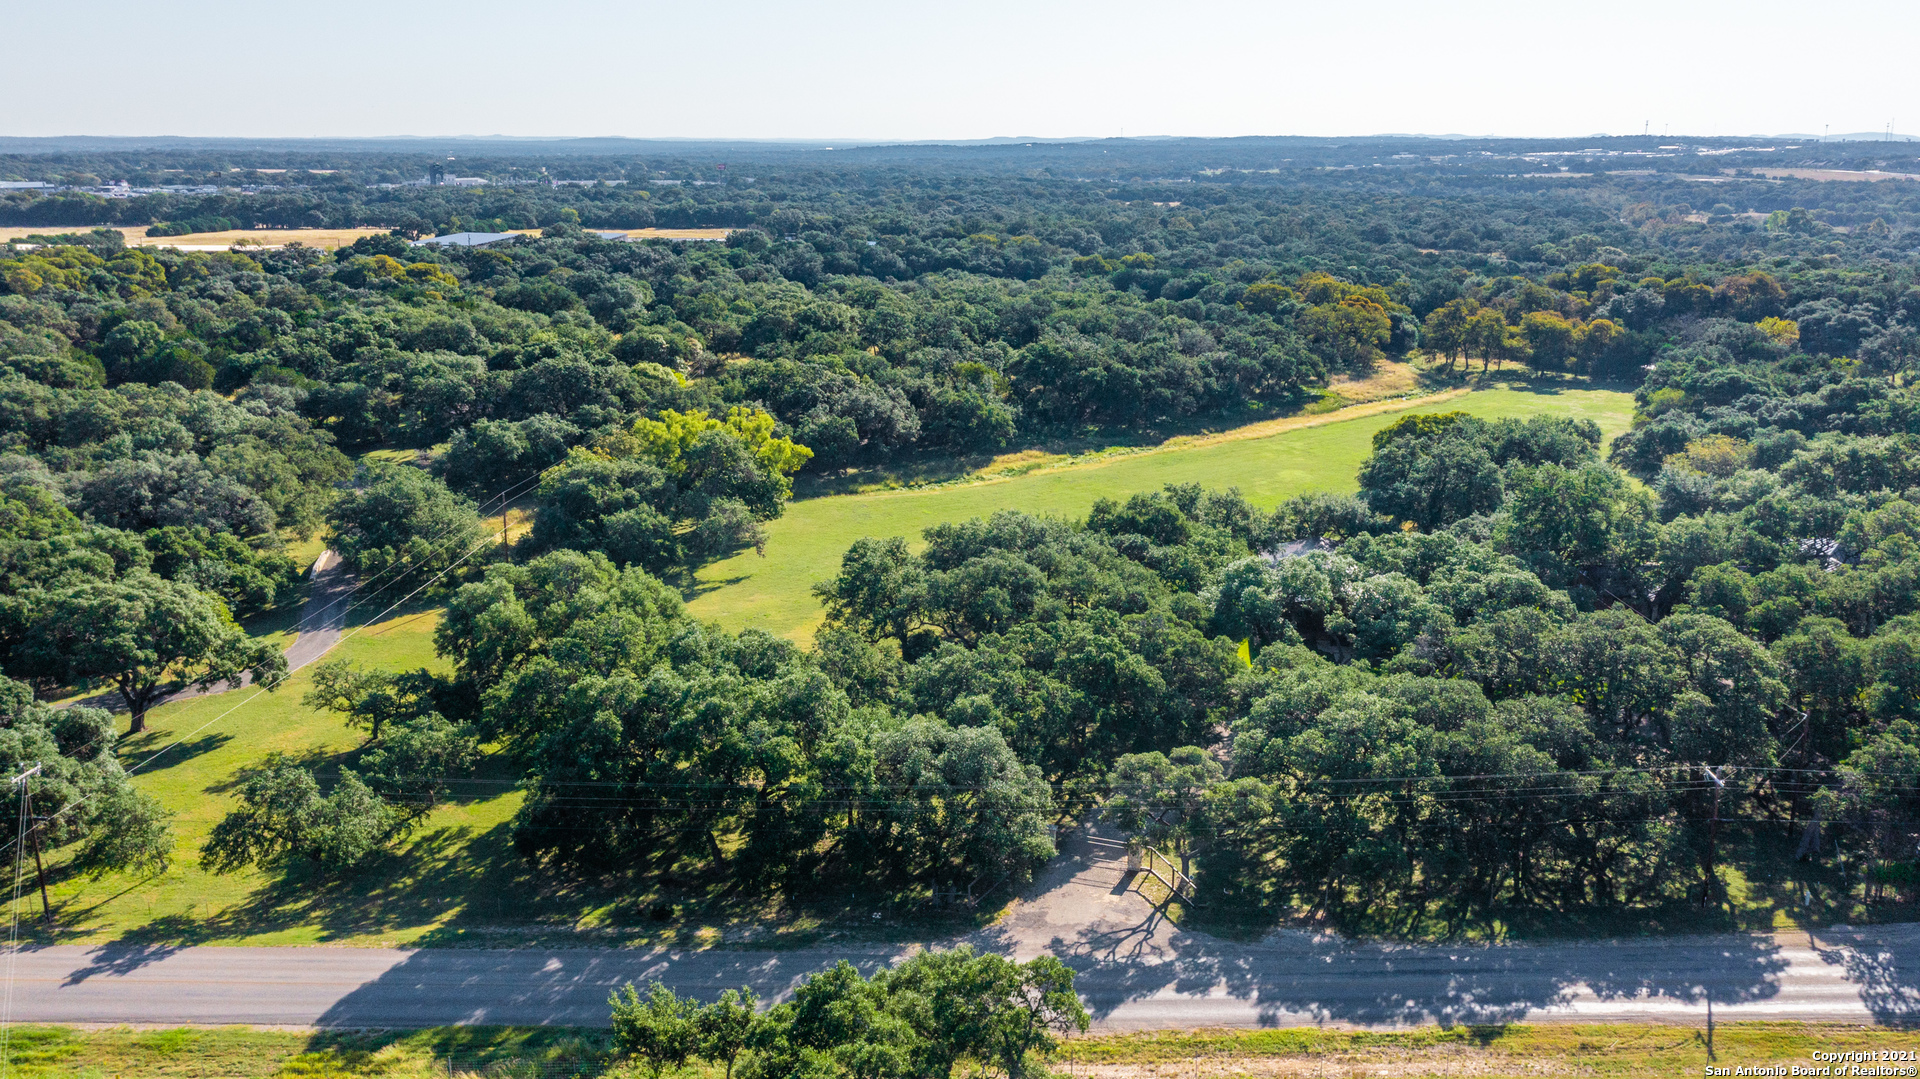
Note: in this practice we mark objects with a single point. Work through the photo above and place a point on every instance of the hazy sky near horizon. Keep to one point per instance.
(872, 70)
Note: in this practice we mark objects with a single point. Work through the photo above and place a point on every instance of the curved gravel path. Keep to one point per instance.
(323, 620)
(329, 591)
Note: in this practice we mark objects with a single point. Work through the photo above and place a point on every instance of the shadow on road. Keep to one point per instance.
(118, 960)
(566, 986)
(1886, 969)
(1327, 980)
(1311, 981)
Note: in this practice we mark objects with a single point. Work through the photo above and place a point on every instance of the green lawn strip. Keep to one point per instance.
(247, 1053)
(1624, 1049)
(804, 546)
(1612, 1049)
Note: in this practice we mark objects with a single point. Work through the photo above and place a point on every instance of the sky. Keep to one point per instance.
(863, 69)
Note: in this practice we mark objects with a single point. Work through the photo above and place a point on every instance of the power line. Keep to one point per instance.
(501, 496)
(13, 910)
(157, 754)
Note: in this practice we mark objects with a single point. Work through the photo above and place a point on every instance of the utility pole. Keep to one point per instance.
(40, 871)
(27, 818)
(1713, 835)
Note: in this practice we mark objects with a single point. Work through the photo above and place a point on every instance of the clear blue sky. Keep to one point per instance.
(905, 70)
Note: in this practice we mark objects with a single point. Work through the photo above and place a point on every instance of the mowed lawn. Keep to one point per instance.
(220, 739)
(804, 546)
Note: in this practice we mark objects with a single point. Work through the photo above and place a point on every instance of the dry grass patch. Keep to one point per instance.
(1386, 380)
(513, 524)
(328, 239)
(677, 234)
(136, 236)
(10, 233)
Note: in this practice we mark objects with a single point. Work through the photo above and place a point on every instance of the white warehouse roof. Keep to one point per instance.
(467, 239)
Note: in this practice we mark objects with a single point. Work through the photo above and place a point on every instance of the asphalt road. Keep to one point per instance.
(1134, 969)
(1845, 976)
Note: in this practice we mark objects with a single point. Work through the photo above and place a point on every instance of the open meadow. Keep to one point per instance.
(1268, 462)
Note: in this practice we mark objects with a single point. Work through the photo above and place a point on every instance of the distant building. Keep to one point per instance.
(467, 239)
(25, 185)
(441, 181)
(617, 236)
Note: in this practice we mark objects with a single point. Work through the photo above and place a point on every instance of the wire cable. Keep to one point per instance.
(13, 932)
(344, 638)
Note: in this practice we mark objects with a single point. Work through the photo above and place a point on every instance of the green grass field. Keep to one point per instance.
(804, 546)
(1620, 1049)
(455, 880)
(221, 737)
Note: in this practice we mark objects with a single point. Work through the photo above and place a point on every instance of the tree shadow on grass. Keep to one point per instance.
(146, 752)
(464, 887)
(469, 1050)
(692, 588)
(323, 762)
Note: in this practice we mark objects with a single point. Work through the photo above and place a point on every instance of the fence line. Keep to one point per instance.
(1140, 859)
